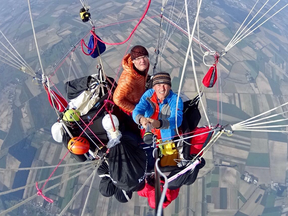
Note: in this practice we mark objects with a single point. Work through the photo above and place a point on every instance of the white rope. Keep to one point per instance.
(4, 213)
(266, 131)
(182, 138)
(189, 49)
(167, 29)
(21, 60)
(89, 191)
(35, 195)
(165, 42)
(33, 184)
(209, 144)
(264, 113)
(241, 35)
(79, 190)
(84, 131)
(187, 17)
(9, 62)
(47, 167)
(51, 94)
(267, 126)
(221, 99)
(242, 24)
(165, 187)
(198, 31)
(35, 39)
(244, 36)
(262, 123)
(14, 60)
(268, 117)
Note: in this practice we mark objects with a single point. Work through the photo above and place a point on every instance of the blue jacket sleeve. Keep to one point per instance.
(142, 106)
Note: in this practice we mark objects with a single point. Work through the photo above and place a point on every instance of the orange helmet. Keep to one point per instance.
(78, 145)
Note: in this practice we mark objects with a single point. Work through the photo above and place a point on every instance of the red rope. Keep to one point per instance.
(94, 47)
(86, 126)
(39, 191)
(109, 111)
(141, 19)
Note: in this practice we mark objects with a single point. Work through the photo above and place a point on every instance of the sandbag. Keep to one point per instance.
(106, 187)
(127, 163)
(122, 196)
(103, 169)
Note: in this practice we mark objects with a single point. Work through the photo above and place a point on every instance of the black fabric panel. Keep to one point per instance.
(106, 187)
(119, 195)
(127, 163)
(103, 168)
(75, 87)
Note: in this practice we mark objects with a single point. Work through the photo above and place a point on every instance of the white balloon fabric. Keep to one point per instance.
(114, 136)
(57, 132)
(107, 123)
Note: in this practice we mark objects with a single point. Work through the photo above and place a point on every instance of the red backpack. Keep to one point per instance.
(200, 141)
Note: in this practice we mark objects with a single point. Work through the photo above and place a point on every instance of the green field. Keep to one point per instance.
(258, 160)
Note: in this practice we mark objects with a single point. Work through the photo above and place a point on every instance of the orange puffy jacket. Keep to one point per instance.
(131, 86)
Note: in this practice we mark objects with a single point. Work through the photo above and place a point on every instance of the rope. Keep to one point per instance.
(88, 193)
(39, 193)
(78, 191)
(188, 137)
(165, 42)
(194, 70)
(32, 184)
(241, 35)
(242, 24)
(9, 62)
(165, 187)
(21, 58)
(109, 112)
(35, 195)
(84, 130)
(46, 167)
(158, 40)
(209, 145)
(198, 31)
(12, 60)
(257, 120)
(264, 113)
(21, 61)
(244, 36)
(134, 29)
(268, 122)
(35, 39)
(264, 131)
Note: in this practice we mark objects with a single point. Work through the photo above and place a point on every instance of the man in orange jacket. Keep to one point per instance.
(131, 84)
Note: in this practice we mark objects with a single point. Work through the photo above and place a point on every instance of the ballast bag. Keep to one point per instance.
(99, 49)
(211, 77)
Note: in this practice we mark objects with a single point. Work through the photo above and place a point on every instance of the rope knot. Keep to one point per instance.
(39, 193)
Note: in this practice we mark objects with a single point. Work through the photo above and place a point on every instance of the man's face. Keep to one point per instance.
(141, 63)
(162, 90)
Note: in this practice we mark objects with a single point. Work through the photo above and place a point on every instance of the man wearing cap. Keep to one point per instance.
(157, 107)
(131, 84)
